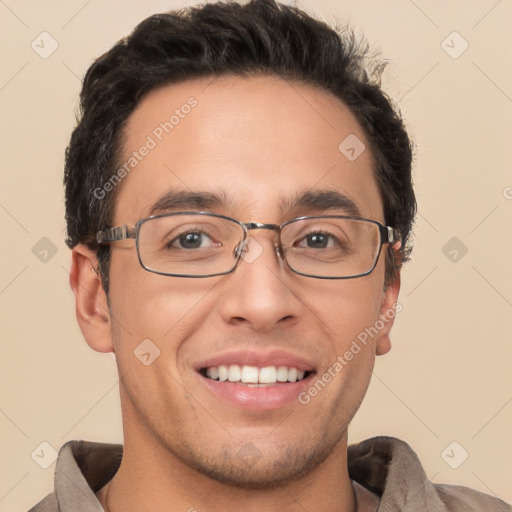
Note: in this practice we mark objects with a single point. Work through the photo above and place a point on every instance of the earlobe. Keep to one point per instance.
(388, 311)
(91, 301)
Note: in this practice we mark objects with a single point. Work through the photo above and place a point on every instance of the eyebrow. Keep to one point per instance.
(302, 203)
(187, 200)
(321, 200)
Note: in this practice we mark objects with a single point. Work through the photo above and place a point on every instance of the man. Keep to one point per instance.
(239, 205)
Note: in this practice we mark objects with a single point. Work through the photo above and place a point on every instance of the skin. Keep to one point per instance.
(258, 140)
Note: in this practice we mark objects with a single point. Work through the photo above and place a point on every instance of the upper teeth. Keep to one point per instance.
(254, 375)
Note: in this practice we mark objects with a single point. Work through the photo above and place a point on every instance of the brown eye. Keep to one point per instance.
(317, 240)
(191, 240)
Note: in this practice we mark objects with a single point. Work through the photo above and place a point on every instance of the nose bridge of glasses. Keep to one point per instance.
(250, 226)
(259, 225)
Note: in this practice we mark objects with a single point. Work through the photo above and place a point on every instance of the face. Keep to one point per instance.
(257, 144)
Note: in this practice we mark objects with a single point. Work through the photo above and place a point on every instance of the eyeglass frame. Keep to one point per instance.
(126, 232)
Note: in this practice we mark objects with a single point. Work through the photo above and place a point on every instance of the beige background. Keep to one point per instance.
(448, 375)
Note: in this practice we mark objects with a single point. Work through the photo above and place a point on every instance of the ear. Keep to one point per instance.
(91, 301)
(388, 311)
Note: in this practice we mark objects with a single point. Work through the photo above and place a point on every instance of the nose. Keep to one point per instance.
(260, 293)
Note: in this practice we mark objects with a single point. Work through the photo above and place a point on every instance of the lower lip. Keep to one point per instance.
(257, 398)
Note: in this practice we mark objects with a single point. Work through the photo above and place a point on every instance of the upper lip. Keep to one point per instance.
(259, 359)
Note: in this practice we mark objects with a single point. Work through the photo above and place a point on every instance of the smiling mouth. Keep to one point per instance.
(254, 376)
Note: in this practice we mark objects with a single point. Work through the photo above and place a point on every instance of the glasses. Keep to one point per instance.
(201, 244)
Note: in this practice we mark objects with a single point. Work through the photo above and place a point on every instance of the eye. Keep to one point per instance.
(318, 240)
(191, 240)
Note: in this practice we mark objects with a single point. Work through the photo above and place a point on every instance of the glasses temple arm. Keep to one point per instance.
(388, 234)
(116, 234)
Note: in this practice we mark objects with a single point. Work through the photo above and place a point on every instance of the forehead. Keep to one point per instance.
(256, 142)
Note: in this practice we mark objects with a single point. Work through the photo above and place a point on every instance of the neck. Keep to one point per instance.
(151, 478)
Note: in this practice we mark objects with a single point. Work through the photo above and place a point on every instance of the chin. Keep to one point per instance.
(250, 468)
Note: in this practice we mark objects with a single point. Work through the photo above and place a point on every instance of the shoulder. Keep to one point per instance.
(82, 468)
(390, 468)
(458, 497)
(49, 504)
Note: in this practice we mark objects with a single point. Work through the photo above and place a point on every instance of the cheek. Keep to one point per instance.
(163, 309)
(349, 314)
(152, 317)
(348, 307)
